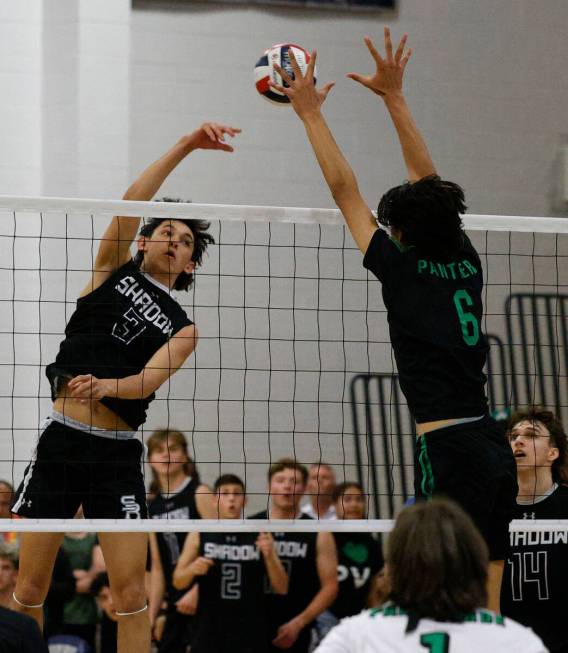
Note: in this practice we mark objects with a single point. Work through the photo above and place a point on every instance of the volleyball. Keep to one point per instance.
(264, 71)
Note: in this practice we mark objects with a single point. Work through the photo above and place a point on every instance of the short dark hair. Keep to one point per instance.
(228, 479)
(427, 214)
(342, 488)
(201, 237)
(436, 562)
(99, 582)
(558, 436)
(287, 463)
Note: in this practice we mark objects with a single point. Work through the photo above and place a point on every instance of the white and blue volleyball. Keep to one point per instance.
(264, 70)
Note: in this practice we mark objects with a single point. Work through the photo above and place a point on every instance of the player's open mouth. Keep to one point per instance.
(520, 454)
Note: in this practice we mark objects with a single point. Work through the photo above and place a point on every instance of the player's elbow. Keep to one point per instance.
(177, 581)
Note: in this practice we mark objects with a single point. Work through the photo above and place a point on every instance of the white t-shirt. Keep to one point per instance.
(383, 631)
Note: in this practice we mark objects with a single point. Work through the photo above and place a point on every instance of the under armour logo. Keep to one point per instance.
(529, 515)
(29, 503)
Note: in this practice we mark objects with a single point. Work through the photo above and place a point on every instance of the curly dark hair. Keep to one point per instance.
(558, 436)
(202, 238)
(427, 214)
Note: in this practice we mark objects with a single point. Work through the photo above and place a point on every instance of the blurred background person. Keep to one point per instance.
(6, 498)
(8, 572)
(534, 583)
(85, 557)
(359, 560)
(19, 633)
(309, 558)
(100, 590)
(176, 493)
(229, 570)
(318, 498)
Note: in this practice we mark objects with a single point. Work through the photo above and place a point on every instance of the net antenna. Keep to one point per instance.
(302, 324)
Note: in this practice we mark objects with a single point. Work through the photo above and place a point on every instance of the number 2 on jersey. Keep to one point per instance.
(468, 321)
(436, 642)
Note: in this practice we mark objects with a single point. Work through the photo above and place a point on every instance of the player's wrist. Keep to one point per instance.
(393, 98)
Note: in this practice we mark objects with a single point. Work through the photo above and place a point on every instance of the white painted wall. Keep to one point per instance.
(96, 89)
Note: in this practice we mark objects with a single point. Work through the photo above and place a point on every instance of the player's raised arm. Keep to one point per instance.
(387, 83)
(307, 101)
(114, 248)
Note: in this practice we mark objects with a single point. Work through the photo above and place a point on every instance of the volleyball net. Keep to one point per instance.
(294, 357)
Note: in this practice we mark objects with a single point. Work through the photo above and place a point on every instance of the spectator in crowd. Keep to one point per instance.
(177, 493)
(6, 497)
(100, 589)
(229, 569)
(61, 590)
(436, 569)
(534, 584)
(359, 560)
(19, 633)
(8, 572)
(318, 499)
(309, 558)
(80, 613)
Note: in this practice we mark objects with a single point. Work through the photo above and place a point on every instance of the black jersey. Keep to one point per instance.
(434, 312)
(298, 554)
(359, 558)
(534, 582)
(175, 505)
(230, 614)
(114, 332)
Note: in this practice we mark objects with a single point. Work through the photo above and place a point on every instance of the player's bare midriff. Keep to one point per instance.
(91, 413)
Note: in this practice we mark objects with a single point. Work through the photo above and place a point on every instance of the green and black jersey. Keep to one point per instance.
(434, 311)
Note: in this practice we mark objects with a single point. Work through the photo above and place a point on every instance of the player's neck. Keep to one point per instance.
(171, 482)
(164, 279)
(321, 505)
(276, 512)
(534, 484)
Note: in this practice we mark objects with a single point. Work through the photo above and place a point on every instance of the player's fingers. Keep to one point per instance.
(283, 74)
(280, 89)
(400, 49)
(311, 65)
(218, 132)
(362, 79)
(388, 44)
(374, 52)
(405, 58)
(207, 129)
(295, 66)
(327, 88)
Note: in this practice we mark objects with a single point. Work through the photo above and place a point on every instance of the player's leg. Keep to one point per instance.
(118, 492)
(125, 556)
(36, 559)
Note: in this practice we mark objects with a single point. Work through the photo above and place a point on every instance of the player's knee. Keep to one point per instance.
(30, 593)
(129, 598)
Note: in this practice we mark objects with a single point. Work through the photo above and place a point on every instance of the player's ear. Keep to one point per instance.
(553, 454)
(190, 267)
(141, 244)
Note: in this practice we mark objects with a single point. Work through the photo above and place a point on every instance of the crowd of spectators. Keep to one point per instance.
(259, 591)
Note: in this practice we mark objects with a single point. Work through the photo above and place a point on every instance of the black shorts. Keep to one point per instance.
(71, 468)
(472, 464)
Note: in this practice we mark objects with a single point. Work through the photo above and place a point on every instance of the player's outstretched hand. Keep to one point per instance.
(288, 633)
(389, 72)
(200, 566)
(211, 136)
(187, 604)
(265, 544)
(304, 96)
